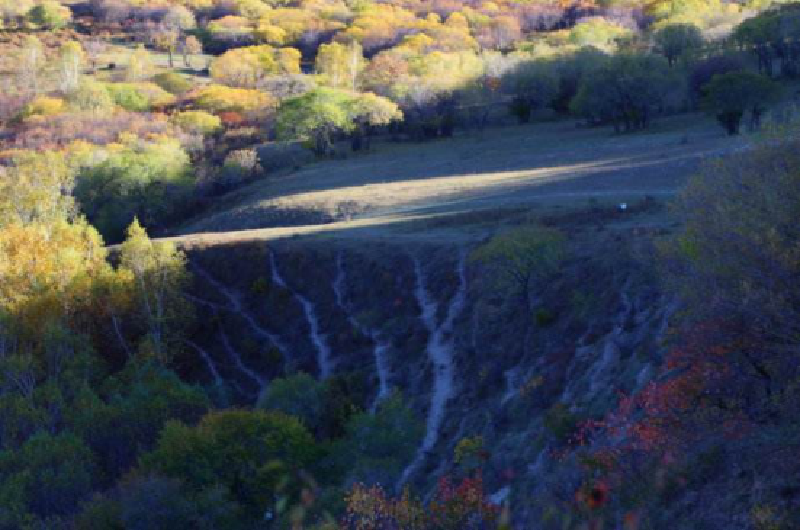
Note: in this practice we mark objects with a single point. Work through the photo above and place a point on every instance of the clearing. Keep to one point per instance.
(540, 166)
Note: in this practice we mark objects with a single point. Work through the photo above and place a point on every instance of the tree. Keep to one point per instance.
(677, 41)
(140, 65)
(49, 475)
(385, 71)
(533, 85)
(299, 395)
(705, 70)
(376, 447)
(179, 18)
(625, 91)
(159, 273)
(45, 271)
(165, 39)
(148, 180)
(322, 113)
(368, 110)
(13, 13)
(30, 63)
(94, 48)
(49, 15)
(249, 65)
(736, 254)
(246, 454)
(571, 71)
(146, 397)
(36, 188)
(173, 82)
(340, 64)
(598, 32)
(758, 34)
(190, 45)
(70, 64)
(518, 258)
(729, 96)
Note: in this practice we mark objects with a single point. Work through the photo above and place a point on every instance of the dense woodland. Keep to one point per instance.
(122, 118)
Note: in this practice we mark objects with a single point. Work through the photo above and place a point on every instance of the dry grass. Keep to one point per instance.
(543, 166)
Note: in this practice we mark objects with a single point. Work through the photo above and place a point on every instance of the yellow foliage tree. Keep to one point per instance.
(340, 64)
(46, 275)
(249, 65)
(158, 270)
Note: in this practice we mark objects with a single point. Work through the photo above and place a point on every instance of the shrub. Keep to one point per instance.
(560, 421)
(42, 106)
(90, 96)
(282, 155)
(173, 82)
(197, 122)
(239, 166)
(217, 98)
(139, 97)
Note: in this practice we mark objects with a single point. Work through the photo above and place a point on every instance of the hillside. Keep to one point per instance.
(399, 265)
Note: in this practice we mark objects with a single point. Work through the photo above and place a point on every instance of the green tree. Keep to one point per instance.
(597, 32)
(533, 85)
(298, 395)
(148, 180)
(729, 96)
(520, 257)
(49, 15)
(518, 260)
(675, 41)
(317, 115)
(736, 255)
(46, 477)
(626, 91)
(139, 400)
(321, 114)
(377, 447)
(248, 454)
(759, 34)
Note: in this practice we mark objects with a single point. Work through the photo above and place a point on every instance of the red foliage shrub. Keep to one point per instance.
(699, 395)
